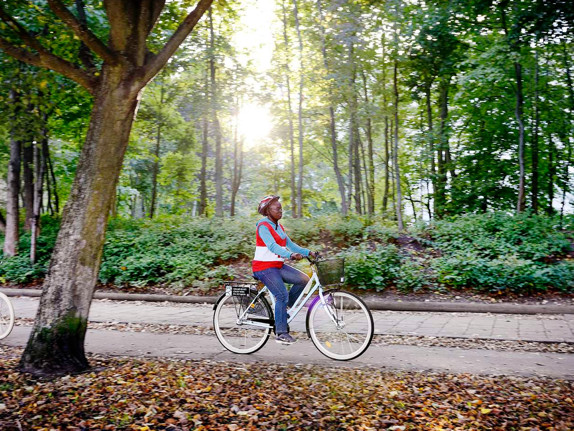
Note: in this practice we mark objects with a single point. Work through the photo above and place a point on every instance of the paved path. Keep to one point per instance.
(545, 328)
(558, 328)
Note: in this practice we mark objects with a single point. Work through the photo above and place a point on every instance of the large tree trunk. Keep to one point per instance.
(12, 235)
(56, 345)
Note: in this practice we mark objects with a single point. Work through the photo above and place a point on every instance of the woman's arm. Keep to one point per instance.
(297, 248)
(269, 241)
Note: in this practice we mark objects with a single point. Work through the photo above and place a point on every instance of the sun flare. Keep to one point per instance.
(254, 124)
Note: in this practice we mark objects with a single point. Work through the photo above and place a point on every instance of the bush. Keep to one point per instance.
(18, 269)
(172, 250)
(507, 273)
(493, 235)
(370, 268)
(412, 275)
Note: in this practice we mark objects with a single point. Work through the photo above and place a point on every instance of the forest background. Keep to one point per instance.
(429, 142)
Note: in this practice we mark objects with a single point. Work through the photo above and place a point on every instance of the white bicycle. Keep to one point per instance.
(6, 316)
(338, 322)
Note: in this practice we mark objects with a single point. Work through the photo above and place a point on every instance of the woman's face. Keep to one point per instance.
(275, 211)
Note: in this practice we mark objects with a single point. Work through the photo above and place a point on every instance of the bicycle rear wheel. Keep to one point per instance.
(241, 332)
(341, 328)
(6, 316)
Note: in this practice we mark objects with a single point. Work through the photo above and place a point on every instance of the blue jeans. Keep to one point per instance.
(275, 279)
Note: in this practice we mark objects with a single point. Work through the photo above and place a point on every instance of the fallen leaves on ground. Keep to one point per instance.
(145, 395)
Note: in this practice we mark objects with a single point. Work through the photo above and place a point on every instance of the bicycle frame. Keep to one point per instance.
(312, 286)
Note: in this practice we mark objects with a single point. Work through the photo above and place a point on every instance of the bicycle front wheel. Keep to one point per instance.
(6, 316)
(240, 331)
(341, 328)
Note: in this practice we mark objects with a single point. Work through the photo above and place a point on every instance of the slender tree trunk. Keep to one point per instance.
(28, 182)
(551, 176)
(12, 235)
(289, 113)
(441, 178)
(215, 120)
(570, 87)
(203, 172)
(155, 172)
(156, 153)
(518, 111)
(396, 150)
(332, 122)
(40, 163)
(370, 163)
(357, 175)
(521, 204)
(353, 190)
(535, 155)
(53, 184)
(399, 201)
(202, 210)
(56, 344)
(237, 166)
(300, 112)
(386, 166)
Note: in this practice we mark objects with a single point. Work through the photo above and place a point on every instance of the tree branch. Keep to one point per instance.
(156, 62)
(49, 61)
(43, 57)
(83, 32)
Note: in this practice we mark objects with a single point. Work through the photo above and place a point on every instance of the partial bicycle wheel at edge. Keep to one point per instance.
(342, 329)
(6, 316)
(242, 336)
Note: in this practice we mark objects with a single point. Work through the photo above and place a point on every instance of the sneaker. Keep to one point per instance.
(285, 338)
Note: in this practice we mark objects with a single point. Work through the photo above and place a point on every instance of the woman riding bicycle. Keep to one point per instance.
(273, 246)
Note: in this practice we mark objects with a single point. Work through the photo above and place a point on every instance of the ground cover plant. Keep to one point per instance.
(491, 252)
(145, 394)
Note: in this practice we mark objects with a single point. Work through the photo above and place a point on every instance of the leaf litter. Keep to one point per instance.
(136, 394)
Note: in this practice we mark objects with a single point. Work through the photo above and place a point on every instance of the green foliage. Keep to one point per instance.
(371, 267)
(412, 275)
(172, 250)
(506, 273)
(497, 252)
(488, 252)
(18, 269)
(493, 235)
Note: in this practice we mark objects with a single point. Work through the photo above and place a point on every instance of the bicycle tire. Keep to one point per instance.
(242, 338)
(6, 316)
(349, 335)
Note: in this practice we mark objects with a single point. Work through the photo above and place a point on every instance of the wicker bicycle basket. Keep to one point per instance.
(331, 271)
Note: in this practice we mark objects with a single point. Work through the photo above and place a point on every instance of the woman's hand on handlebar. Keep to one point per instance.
(296, 256)
(314, 254)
